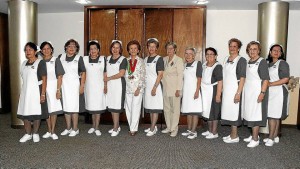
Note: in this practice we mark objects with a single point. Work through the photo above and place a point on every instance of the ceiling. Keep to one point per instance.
(60, 6)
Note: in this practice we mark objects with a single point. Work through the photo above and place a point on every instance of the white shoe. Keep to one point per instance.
(276, 140)
(74, 133)
(54, 136)
(226, 137)
(148, 129)
(212, 136)
(192, 135)
(115, 133)
(269, 143)
(111, 130)
(230, 140)
(248, 139)
(187, 133)
(91, 130)
(36, 138)
(205, 133)
(47, 135)
(66, 132)
(98, 132)
(253, 144)
(165, 131)
(25, 138)
(151, 133)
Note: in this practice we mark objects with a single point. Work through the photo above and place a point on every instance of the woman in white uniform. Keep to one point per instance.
(234, 74)
(116, 86)
(55, 74)
(211, 88)
(32, 102)
(278, 93)
(153, 91)
(72, 86)
(95, 89)
(255, 96)
(135, 84)
(191, 97)
(172, 82)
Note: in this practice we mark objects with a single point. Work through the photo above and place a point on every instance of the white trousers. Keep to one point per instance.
(133, 110)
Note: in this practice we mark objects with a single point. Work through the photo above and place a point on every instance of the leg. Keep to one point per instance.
(233, 133)
(210, 126)
(167, 111)
(75, 121)
(97, 121)
(136, 112)
(276, 128)
(195, 120)
(175, 114)
(272, 128)
(94, 121)
(189, 122)
(115, 117)
(36, 126)
(27, 126)
(129, 107)
(53, 122)
(154, 120)
(255, 131)
(49, 124)
(68, 121)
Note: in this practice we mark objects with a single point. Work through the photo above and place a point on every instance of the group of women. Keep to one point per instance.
(232, 92)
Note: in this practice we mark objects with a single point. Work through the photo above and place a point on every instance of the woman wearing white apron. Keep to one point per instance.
(234, 74)
(153, 91)
(72, 86)
(95, 89)
(135, 84)
(55, 72)
(191, 96)
(211, 89)
(116, 85)
(255, 96)
(278, 93)
(32, 103)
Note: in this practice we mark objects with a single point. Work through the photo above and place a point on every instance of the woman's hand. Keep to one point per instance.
(218, 98)
(177, 93)
(42, 98)
(153, 91)
(260, 97)
(196, 95)
(106, 79)
(58, 94)
(105, 89)
(137, 92)
(81, 90)
(237, 98)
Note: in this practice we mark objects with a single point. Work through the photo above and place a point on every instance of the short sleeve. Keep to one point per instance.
(199, 69)
(160, 64)
(123, 64)
(241, 68)
(42, 69)
(59, 70)
(284, 70)
(217, 74)
(81, 67)
(263, 70)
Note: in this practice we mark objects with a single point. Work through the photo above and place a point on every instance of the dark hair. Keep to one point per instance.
(253, 43)
(211, 49)
(93, 43)
(153, 41)
(134, 42)
(72, 41)
(239, 43)
(31, 45)
(112, 44)
(282, 56)
(44, 44)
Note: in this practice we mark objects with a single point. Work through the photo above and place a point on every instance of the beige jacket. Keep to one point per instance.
(173, 76)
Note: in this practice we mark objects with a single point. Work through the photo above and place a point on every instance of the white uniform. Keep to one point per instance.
(207, 89)
(276, 106)
(70, 84)
(95, 99)
(152, 103)
(189, 104)
(54, 105)
(115, 102)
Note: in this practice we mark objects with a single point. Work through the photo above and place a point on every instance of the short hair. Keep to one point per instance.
(211, 49)
(134, 42)
(31, 45)
(44, 44)
(282, 56)
(171, 44)
(93, 42)
(253, 43)
(237, 41)
(72, 41)
(153, 40)
(113, 43)
(192, 49)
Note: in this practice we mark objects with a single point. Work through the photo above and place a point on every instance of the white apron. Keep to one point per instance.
(275, 105)
(70, 84)
(95, 99)
(114, 87)
(29, 102)
(207, 88)
(230, 110)
(252, 111)
(189, 104)
(54, 104)
(152, 102)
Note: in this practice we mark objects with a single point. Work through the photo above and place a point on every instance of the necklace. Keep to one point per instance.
(131, 66)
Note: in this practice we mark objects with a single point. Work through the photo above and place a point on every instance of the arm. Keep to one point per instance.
(237, 97)
(196, 95)
(44, 86)
(141, 80)
(158, 79)
(179, 70)
(82, 82)
(263, 91)
(59, 82)
(279, 82)
(219, 91)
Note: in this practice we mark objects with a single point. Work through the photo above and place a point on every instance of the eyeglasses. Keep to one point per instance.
(210, 54)
(71, 46)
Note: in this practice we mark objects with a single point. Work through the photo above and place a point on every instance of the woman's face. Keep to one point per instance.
(47, 51)
(189, 56)
(29, 52)
(253, 51)
(210, 57)
(71, 49)
(115, 50)
(170, 50)
(275, 52)
(133, 50)
(152, 48)
(233, 48)
(94, 51)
